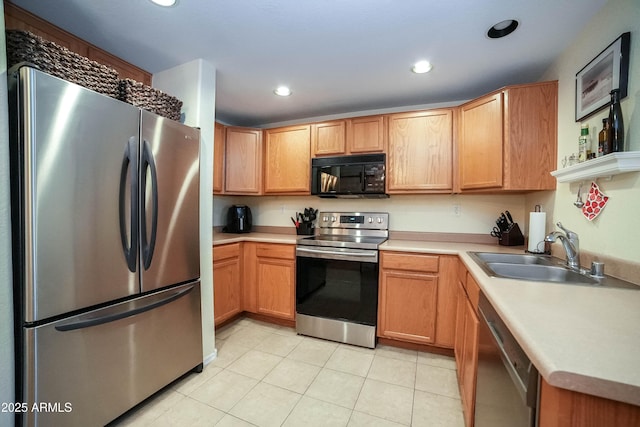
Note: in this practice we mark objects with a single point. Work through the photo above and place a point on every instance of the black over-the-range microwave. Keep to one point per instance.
(356, 176)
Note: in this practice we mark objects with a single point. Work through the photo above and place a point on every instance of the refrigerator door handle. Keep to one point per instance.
(129, 248)
(148, 246)
(85, 321)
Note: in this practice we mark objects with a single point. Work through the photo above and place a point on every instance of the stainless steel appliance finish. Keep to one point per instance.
(507, 381)
(106, 251)
(355, 176)
(337, 277)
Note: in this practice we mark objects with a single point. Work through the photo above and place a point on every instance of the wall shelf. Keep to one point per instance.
(601, 167)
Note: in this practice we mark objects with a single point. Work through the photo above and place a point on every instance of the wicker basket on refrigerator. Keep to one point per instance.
(150, 99)
(51, 58)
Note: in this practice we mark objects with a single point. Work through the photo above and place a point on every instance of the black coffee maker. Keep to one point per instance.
(238, 219)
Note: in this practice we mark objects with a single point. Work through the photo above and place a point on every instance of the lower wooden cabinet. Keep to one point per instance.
(466, 343)
(227, 267)
(276, 280)
(565, 408)
(416, 302)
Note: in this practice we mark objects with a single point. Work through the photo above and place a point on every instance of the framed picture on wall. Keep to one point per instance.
(607, 71)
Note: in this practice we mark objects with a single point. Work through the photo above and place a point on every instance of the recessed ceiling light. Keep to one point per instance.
(502, 28)
(282, 91)
(421, 67)
(164, 3)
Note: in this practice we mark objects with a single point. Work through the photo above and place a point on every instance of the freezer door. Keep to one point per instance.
(169, 202)
(75, 147)
(88, 370)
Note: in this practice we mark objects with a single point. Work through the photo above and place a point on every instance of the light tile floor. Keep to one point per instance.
(266, 375)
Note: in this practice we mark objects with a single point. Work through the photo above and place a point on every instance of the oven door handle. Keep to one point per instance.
(322, 251)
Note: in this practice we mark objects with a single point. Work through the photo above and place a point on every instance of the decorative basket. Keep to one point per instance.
(150, 99)
(23, 46)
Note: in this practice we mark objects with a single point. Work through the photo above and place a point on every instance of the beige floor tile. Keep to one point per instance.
(255, 364)
(224, 390)
(150, 410)
(437, 380)
(257, 324)
(350, 361)
(436, 360)
(388, 401)
(393, 371)
(266, 405)
(336, 387)
(310, 412)
(280, 345)
(292, 375)
(228, 330)
(231, 421)
(189, 412)
(287, 331)
(194, 380)
(360, 419)
(249, 337)
(313, 351)
(358, 348)
(434, 410)
(228, 352)
(397, 353)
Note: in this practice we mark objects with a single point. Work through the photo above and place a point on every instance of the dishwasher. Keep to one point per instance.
(507, 381)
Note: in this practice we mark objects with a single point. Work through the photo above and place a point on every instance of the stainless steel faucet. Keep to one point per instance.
(571, 245)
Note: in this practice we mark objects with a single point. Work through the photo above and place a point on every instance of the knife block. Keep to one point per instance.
(512, 236)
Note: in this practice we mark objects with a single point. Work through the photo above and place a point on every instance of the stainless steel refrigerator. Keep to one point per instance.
(105, 248)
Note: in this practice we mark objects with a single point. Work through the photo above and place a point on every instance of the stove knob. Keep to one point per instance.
(370, 220)
(325, 218)
(333, 219)
(379, 220)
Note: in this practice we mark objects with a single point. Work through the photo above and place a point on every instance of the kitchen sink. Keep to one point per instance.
(544, 273)
(540, 268)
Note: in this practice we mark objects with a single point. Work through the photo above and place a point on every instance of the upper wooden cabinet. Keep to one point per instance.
(350, 136)
(218, 158)
(329, 139)
(243, 161)
(508, 139)
(366, 134)
(287, 160)
(420, 152)
(17, 18)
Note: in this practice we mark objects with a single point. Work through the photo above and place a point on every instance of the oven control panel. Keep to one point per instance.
(368, 220)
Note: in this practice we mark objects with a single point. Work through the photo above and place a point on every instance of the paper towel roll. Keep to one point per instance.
(537, 233)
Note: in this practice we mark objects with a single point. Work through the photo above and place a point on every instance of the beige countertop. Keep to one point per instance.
(580, 338)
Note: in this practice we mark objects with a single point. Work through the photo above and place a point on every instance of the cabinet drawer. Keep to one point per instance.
(276, 251)
(409, 261)
(226, 251)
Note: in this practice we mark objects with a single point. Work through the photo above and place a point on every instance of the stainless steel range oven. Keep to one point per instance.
(337, 277)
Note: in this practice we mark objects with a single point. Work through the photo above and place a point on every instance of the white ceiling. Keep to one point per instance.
(337, 56)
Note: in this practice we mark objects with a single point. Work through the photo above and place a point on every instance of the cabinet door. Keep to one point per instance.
(407, 302)
(328, 139)
(447, 300)
(226, 282)
(218, 159)
(287, 160)
(250, 277)
(366, 134)
(530, 141)
(243, 159)
(470, 360)
(458, 346)
(276, 280)
(480, 147)
(420, 152)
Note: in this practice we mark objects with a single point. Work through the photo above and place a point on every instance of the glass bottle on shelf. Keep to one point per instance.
(582, 143)
(616, 123)
(603, 145)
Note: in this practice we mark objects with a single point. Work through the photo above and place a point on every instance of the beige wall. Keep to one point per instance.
(616, 232)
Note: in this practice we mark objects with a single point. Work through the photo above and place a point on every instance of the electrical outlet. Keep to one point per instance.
(456, 210)
(283, 208)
